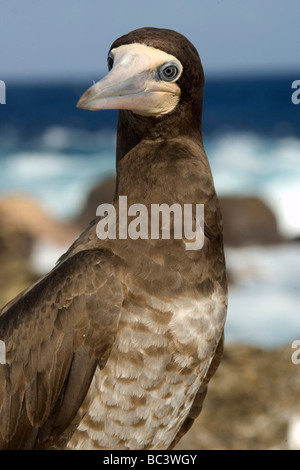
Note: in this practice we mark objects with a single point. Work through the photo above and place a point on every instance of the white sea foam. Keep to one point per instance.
(248, 164)
(45, 255)
(264, 299)
(60, 182)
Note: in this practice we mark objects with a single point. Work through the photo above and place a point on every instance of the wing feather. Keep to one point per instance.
(55, 334)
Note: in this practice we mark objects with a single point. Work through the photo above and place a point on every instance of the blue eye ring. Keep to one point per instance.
(168, 72)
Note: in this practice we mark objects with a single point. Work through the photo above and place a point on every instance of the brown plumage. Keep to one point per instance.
(114, 348)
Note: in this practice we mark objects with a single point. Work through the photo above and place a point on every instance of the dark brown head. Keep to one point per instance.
(156, 79)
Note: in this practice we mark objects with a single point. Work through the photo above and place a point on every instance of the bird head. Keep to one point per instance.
(152, 72)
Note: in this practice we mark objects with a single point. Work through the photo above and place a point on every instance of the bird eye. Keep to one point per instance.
(110, 61)
(168, 72)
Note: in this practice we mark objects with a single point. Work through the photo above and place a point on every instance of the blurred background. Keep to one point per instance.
(57, 164)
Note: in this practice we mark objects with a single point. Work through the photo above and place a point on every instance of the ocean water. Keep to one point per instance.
(57, 153)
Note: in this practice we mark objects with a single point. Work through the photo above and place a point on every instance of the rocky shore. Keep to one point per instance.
(252, 402)
(23, 225)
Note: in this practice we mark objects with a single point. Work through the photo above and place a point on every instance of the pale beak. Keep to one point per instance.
(132, 84)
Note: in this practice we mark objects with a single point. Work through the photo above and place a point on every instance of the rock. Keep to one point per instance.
(23, 224)
(22, 214)
(248, 221)
(250, 403)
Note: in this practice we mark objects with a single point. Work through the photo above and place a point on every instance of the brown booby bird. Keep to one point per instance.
(114, 348)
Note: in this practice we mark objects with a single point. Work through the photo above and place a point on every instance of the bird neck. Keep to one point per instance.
(133, 128)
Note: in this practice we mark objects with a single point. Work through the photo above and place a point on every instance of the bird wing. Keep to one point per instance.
(55, 335)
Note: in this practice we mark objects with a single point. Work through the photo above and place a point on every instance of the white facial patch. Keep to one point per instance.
(141, 61)
(137, 82)
(141, 58)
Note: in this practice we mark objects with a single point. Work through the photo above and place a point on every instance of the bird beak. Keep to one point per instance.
(132, 83)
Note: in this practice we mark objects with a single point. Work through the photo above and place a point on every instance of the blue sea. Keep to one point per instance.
(56, 153)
